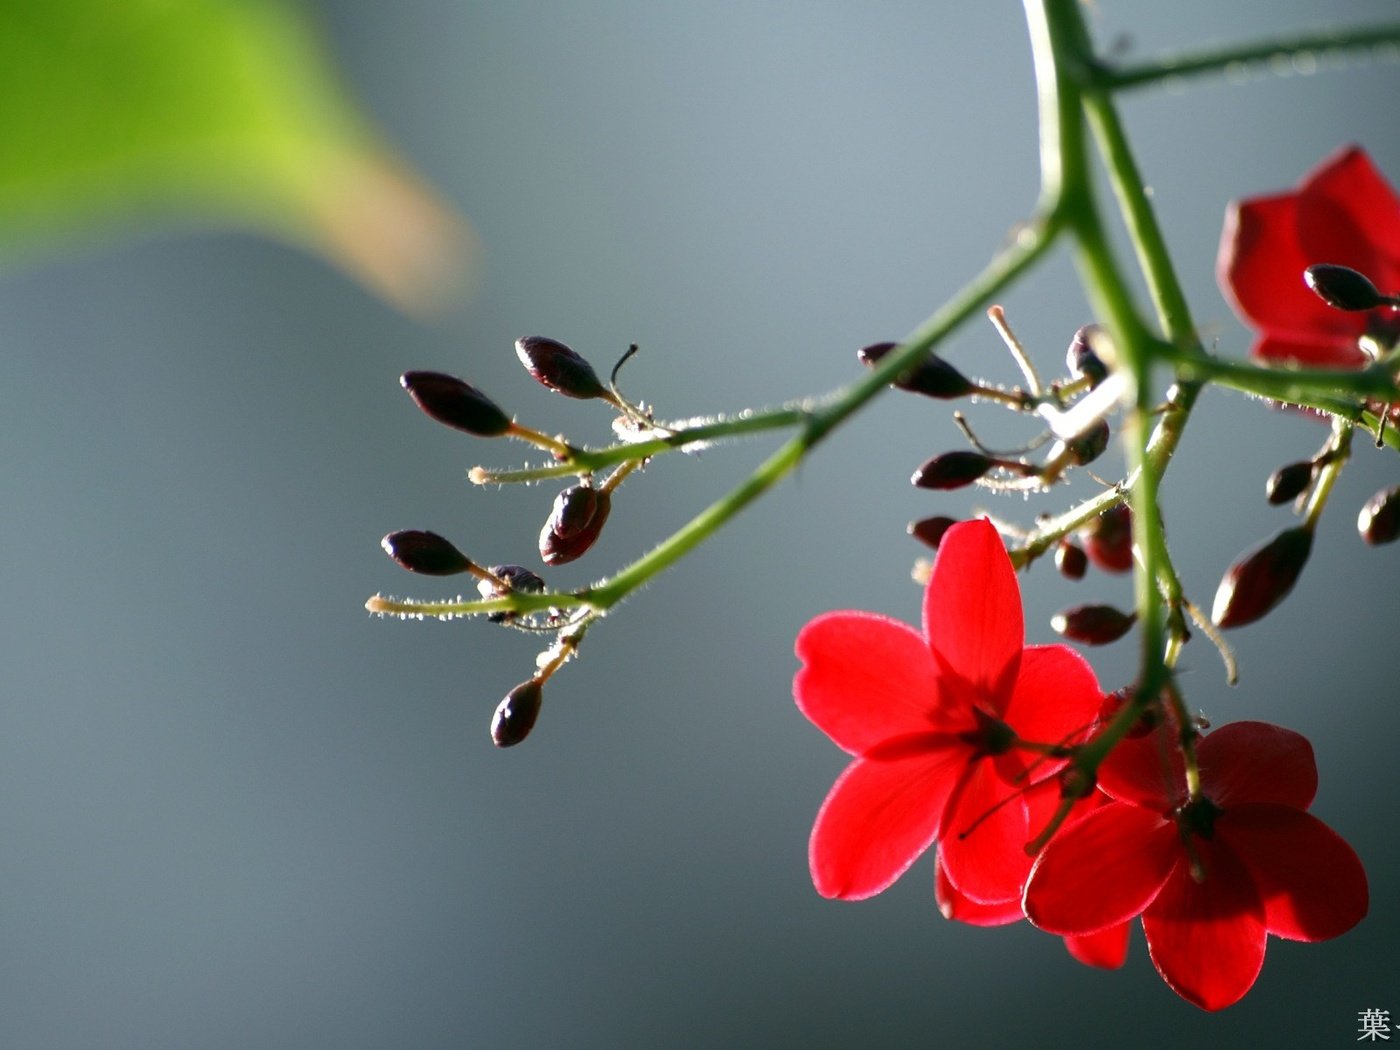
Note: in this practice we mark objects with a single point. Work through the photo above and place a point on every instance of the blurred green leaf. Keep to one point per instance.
(118, 113)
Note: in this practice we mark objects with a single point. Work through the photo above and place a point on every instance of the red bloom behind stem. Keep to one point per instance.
(932, 720)
(1344, 213)
(1210, 876)
(1107, 948)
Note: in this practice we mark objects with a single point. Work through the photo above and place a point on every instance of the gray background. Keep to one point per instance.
(238, 812)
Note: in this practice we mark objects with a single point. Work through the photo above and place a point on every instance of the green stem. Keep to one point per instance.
(586, 461)
(1336, 459)
(1051, 530)
(1337, 391)
(516, 602)
(1145, 233)
(1069, 50)
(1283, 49)
(1174, 316)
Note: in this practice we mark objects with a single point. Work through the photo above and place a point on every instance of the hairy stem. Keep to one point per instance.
(1301, 48)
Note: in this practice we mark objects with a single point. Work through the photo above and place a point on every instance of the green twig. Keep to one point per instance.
(1290, 49)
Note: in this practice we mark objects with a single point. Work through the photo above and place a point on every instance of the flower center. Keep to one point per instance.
(1197, 817)
(991, 737)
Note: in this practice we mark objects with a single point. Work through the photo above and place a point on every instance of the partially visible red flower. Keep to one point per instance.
(932, 720)
(1107, 948)
(1344, 213)
(1211, 877)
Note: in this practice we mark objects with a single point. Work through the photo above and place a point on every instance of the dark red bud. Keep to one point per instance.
(952, 470)
(574, 510)
(518, 578)
(1342, 287)
(1076, 783)
(1261, 578)
(1288, 482)
(574, 524)
(1379, 520)
(515, 715)
(929, 531)
(425, 552)
(1093, 624)
(1108, 540)
(1071, 560)
(556, 366)
(1081, 359)
(1091, 444)
(932, 377)
(457, 404)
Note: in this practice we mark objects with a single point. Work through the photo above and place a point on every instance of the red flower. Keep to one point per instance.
(1211, 877)
(1107, 948)
(933, 720)
(1344, 213)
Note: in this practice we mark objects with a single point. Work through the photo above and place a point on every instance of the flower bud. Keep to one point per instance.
(952, 470)
(929, 531)
(556, 366)
(1093, 624)
(574, 509)
(932, 377)
(1088, 446)
(1076, 783)
(425, 552)
(515, 715)
(1108, 540)
(574, 524)
(1288, 482)
(1261, 578)
(457, 404)
(518, 578)
(1379, 520)
(1342, 288)
(1081, 359)
(1071, 560)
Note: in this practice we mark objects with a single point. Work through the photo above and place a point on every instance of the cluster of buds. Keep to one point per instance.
(1075, 444)
(1076, 407)
(571, 529)
(1106, 542)
(1264, 575)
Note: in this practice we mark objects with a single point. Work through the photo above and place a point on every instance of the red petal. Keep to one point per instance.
(985, 835)
(1107, 949)
(972, 612)
(1348, 214)
(1311, 881)
(1147, 771)
(1257, 762)
(1207, 938)
(956, 905)
(1056, 697)
(1325, 350)
(1101, 871)
(866, 678)
(1260, 268)
(878, 818)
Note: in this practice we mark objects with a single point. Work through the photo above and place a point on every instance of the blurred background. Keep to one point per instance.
(237, 811)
